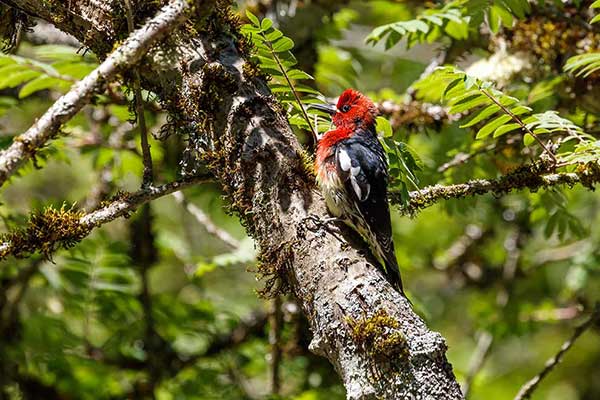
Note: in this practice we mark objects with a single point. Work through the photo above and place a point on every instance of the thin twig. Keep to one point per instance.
(206, 222)
(292, 88)
(520, 123)
(144, 254)
(147, 179)
(484, 344)
(25, 146)
(528, 388)
(462, 158)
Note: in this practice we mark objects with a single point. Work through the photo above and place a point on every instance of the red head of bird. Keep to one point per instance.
(353, 113)
(353, 110)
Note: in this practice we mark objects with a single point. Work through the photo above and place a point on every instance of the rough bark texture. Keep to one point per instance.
(378, 345)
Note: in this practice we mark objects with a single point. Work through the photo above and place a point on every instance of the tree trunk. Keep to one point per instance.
(378, 345)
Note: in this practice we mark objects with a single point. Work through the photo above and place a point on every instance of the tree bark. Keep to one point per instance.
(377, 344)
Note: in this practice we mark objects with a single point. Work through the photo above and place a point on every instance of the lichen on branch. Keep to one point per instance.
(380, 336)
(531, 176)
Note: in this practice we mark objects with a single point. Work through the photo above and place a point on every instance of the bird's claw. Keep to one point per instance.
(318, 223)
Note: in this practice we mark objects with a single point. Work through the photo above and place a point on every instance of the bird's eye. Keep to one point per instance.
(345, 108)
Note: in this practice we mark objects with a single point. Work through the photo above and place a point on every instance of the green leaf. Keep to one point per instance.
(287, 59)
(493, 20)
(273, 35)
(416, 25)
(584, 64)
(469, 103)
(9, 69)
(505, 16)
(37, 84)
(253, 18)
(469, 81)
(248, 29)
(376, 34)
(306, 89)
(202, 268)
(283, 44)
(6, 60)
(460, 96)
(492, 126)
(424, 28)
(18, 78)
(268, 62)
(266, 24)
(480, 116)
(298, 74)
(434, 19)
(78, 70)
(383, 125)
(457, 30)
(528, 140)
(505, 129)
(55, 52)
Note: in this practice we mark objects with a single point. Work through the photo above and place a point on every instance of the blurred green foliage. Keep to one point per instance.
(108, 319)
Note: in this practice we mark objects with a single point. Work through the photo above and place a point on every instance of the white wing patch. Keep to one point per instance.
(356, 187)
(345, 161)
(346, 166)
(359, 193)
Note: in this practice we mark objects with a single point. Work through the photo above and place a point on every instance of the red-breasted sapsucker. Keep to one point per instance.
(352, 172)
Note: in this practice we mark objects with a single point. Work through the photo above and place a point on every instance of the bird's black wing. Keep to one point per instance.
(362, 164)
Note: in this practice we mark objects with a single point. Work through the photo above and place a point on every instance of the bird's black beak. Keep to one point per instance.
(328, 108)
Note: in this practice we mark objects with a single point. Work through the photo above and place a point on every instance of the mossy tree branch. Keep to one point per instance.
(45, 128)
(531, 177)
(52, 229)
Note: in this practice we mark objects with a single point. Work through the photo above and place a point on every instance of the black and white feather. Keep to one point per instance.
(362, 172)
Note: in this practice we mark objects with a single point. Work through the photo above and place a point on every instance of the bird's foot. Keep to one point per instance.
(326, 223)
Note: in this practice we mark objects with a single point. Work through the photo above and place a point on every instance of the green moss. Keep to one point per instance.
(380, 336)
(46, 232)
(307, 165)
(540, 175)
(273, 262)
(589, 174)
(120, 195)
(251, 70)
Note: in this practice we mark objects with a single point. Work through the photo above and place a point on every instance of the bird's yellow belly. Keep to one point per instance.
(333, 192)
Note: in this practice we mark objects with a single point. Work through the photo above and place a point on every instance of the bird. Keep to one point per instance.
(352, 173)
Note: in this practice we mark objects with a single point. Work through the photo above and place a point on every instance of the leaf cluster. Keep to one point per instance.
(403, 162)
(63, 69)
(275, 58)
(491, 112)
(585, 64)
(427, 27)
(456, 19)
